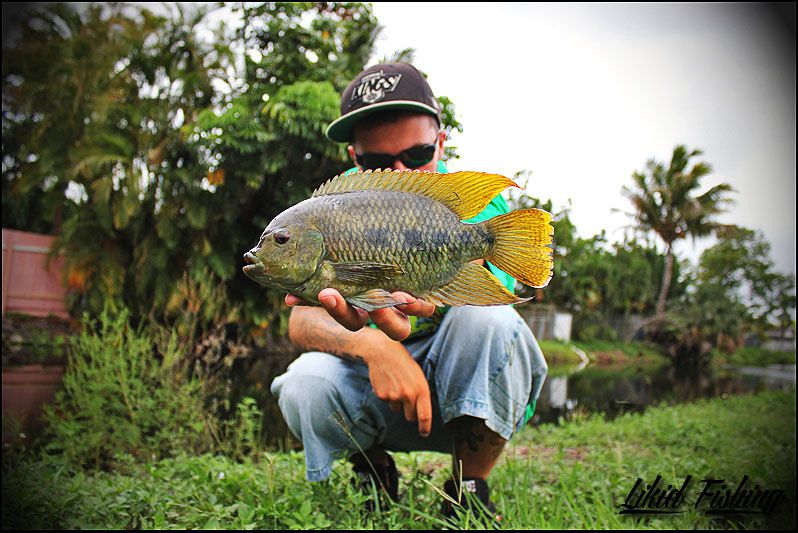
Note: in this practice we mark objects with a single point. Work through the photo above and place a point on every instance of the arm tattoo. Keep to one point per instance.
(325, 334)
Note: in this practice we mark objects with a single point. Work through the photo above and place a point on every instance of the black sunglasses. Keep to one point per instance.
(413, 157)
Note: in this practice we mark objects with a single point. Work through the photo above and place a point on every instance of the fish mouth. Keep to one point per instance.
(253, 264)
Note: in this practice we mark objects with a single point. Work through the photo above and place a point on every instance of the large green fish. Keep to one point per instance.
(368, 234)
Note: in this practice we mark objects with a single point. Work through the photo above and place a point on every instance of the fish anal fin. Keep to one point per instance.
(373, 299)
(466, 193)
(474, 285)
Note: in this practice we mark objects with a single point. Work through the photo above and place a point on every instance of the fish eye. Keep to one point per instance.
(282, 236)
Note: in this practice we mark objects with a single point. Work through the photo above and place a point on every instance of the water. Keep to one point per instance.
(617, 390)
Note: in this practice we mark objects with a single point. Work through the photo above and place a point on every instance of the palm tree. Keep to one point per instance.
(665, 202)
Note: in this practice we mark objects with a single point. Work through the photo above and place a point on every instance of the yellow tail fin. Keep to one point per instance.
(522, 244)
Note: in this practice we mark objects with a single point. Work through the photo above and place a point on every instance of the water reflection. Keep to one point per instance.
(614, 390)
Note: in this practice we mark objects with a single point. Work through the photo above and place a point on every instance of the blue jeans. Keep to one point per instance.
(482, 362)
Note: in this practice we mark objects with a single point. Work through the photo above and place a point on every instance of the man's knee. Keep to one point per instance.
(487, 334)
(484, 322)
(307, 399)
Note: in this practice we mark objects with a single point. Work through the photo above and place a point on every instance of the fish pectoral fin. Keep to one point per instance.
(366, 273)
(373, 299)
(474, 285)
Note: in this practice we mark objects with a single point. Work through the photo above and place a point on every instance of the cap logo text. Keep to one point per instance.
(372, 87)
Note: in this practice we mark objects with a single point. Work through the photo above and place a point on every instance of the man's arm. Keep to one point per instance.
(312, 328)
(395, 377)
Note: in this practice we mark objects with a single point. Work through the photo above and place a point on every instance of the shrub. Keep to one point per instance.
(754, 356)
(121, 396)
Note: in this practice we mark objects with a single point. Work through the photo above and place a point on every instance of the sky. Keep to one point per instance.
(582, 95)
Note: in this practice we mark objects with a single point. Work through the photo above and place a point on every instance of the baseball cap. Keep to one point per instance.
(387, 86)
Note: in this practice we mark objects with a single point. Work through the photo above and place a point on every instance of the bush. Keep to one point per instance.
(753, 356)
(121, 396)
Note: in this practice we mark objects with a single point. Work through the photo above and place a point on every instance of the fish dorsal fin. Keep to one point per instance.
(466, 193)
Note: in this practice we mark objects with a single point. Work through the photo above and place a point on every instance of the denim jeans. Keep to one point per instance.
(482, 362)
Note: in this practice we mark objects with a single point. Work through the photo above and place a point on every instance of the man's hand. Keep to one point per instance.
(391, 320)
(397, 379)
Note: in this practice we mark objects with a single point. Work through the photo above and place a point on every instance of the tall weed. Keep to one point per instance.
(123, 395)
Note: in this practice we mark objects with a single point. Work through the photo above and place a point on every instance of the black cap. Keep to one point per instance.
(380, 88)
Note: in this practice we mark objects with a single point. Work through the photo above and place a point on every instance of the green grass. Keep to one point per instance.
(612, 352)
(569, 476)
(559, 353)
(751, 356)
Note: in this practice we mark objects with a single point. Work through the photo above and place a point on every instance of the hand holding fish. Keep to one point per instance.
(395, 376)
(392, 320)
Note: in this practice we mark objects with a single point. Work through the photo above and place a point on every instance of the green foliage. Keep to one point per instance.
(741, 265)
(735, 291)
(133, 392)
(450, 125)
(665, 202)
(121, 397)
(158, 155)
(591, 277)
(753, 356)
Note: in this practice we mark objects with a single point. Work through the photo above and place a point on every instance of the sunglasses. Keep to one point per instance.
(413, 157)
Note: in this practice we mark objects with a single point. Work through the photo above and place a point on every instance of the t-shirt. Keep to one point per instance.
(421, 326)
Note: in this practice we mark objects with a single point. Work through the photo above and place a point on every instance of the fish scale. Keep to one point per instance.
(352, 221)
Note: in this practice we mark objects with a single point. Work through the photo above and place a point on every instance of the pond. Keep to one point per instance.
(614, 390)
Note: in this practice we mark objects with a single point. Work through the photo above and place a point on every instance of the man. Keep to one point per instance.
(460, 380)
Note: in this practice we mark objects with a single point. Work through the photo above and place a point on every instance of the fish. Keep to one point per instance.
(370, 233)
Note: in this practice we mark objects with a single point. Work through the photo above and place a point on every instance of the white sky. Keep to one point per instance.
(583, 95)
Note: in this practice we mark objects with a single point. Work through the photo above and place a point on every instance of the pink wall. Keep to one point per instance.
(28, 286)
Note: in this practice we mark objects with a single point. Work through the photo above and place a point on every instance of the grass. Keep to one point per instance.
(560, 354)
(570, 476)
(616, 352)
(753, 356)
(610, 353)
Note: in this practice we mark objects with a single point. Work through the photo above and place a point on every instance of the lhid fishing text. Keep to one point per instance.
(712, 496)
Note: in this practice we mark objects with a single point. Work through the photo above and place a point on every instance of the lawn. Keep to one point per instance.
(570, 476)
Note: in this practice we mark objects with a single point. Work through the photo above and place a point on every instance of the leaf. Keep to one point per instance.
(197, 216)
(305, 508)
(224, 267)
(125, 210)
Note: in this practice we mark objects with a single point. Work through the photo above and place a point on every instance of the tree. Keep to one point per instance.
(166, 154)
(665, 201)
(740, 264)
(592, 278)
